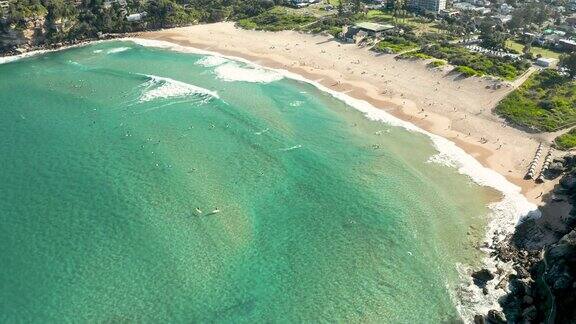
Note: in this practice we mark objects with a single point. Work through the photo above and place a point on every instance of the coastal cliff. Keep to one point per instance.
(543, 253)
(32, 34)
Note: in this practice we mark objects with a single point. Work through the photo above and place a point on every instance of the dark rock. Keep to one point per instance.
(528, 300)
(530, 313)
(517, 287)
(568, 182)
(562, 282)
(481, 277)
(569, 160)
(495, 317)
(521, 272)
(479, 319)
(555, 169)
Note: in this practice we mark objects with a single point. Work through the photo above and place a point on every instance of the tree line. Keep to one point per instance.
(66, 20)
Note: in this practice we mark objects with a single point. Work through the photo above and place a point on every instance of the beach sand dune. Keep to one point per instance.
(439, 101)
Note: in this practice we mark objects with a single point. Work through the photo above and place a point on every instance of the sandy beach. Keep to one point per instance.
(438, 101)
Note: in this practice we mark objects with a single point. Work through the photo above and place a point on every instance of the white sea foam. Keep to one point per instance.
(232, 71)
(506, 214)
(118, 50)
(296, 103)
(211, 61)
(13, 58)
(228, 70)
(159, 87)
(97, 51)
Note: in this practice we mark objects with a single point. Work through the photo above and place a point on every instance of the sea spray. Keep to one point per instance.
(232, 72)
(506, 214)
(211, 61)
(118, 50)
(162, 88)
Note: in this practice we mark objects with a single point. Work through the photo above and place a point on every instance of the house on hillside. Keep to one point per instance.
(302, 3)
(567, 45)
(546, 62)
(137, 16)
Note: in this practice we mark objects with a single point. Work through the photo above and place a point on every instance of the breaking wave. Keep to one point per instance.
(161, 88)
(211, 61)
(118, 50)
(231, 72)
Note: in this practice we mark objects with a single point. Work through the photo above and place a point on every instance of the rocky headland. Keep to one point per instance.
(542, 252)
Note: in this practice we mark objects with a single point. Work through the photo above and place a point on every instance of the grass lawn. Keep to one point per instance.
(511, 44)
(379, 16)
(545, 102)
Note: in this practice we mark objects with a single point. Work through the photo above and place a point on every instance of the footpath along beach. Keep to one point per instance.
(438, 101)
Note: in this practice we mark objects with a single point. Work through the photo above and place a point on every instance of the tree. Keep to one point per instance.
(398, 5)
(491, 37)
(340, 8)
(568, 61)
(528, 41)
(357, 6)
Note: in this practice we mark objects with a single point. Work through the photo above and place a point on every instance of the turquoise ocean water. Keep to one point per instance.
(325, 216)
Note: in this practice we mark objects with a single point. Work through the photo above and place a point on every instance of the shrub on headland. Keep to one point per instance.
(436, 63)
(566, 141)
(545, 102)
(469, 62)
(467, 71)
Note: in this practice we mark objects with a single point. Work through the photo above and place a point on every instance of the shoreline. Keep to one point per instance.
(436, 125)
(469, 299)
(403, 107)
(503, 157)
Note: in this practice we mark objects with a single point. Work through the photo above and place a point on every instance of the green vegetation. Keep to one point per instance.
(407, 42)
(276, 19)
(566, 141)
(535, 50)
(67, 21)
(415, 55)
(468, 71)
(568, 62)
(395, 44)
(418, 25)
(470, 63)
(545, 102)
(379, 16)
(330, 24)
(436, 63)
